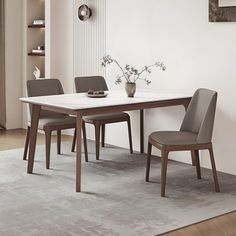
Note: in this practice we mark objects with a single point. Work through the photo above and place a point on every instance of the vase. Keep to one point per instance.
(130, 89)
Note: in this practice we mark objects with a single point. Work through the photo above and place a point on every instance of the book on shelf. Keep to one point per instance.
(38, 51)
(39, 22)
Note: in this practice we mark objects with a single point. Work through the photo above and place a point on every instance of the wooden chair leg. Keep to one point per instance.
(193, 158)
(73, 142)
(148, 161)
(197, 162)
(85, 141)
(164, 162)
(217, 187)
(103, 135)
(130, 136)
(48, 147)
(26, 143)
(97, 139)
(58, 142)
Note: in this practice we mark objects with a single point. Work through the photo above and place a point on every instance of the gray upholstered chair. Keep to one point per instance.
(48, 121)
(195, 134)
(96, 83)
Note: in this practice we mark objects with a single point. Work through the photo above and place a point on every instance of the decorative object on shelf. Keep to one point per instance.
(36, 72)
(39, 22)
(84, 12)
(131, 74)
(222, 11)
(40, 49)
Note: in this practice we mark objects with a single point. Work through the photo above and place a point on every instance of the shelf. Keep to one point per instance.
(36, 26)
(36, 54)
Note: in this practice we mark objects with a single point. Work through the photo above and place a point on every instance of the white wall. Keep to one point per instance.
(76, 46)
(62, 51)
(13, 37)
(197, 54)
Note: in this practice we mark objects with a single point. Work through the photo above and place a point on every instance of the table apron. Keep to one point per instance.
(139, 106)
(59, 110)
(119, 108)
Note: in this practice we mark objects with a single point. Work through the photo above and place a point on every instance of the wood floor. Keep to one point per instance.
(220, 226)
(14, 139)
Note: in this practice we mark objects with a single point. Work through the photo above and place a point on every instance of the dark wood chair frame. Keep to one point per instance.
(46, 88)
(100, 125)
(82, 85)
(166, 149)
(199, 121)
(48, 132)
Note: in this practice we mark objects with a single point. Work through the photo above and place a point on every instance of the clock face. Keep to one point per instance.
(227, 3)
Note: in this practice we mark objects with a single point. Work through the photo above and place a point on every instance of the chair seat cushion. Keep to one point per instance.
(107, 117)
(57, 120)
(173, 137)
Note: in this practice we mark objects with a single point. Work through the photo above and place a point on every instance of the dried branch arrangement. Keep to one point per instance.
(130, 73)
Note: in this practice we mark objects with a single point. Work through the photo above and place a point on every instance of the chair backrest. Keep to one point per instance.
(200, 115)
(84, 84)
(44, 87)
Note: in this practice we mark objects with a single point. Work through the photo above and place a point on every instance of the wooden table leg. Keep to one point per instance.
(141, 131)
(78, 151)
(193, 158)
(33, 136)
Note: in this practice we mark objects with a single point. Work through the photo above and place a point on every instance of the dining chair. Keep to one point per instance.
(195, 134)
(96, 83)
(48, 121)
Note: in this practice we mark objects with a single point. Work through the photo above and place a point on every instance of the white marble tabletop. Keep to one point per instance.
(114, 98)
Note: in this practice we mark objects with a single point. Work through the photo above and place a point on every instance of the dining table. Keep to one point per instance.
(80, 105)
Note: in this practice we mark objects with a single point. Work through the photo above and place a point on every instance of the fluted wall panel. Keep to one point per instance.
(89, 39)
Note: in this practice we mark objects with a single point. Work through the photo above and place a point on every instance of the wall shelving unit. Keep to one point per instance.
(36, 26)
(36, 54)
(35, 36)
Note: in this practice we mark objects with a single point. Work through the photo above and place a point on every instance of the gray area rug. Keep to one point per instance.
(115, 200)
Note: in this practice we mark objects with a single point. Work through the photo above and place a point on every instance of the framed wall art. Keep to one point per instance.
(222, 10)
